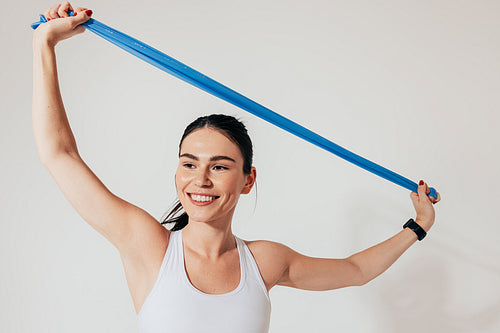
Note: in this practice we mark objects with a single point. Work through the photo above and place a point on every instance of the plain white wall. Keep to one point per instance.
(411, 85)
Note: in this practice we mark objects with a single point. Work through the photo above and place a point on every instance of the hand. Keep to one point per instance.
(60, 25)
(423, 205)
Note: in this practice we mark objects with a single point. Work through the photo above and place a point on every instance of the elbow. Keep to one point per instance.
(50, 151)
(48, 160)
(360, 281)
(358, 276)
(45, 160)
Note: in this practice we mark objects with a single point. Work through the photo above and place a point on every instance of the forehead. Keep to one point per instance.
(207, 142)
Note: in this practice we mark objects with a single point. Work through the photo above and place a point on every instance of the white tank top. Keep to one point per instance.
(174, 305)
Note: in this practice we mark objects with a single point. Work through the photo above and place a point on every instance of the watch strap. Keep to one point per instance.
(416, 228)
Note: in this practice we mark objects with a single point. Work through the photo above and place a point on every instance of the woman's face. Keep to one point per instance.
(209, 177)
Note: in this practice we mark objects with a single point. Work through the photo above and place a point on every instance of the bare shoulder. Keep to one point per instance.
(266, 246)
(148, 241)
(271, 258)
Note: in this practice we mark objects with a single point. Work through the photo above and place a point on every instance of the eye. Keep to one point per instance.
(188, 165)
(220, 167)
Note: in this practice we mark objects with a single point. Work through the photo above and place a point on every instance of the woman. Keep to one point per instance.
(197, 276)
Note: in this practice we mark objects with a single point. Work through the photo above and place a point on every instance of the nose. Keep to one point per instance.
(202, 179)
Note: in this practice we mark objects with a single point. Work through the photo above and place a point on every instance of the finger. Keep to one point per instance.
(79, 10)
(82, 17)
(414, 198)
(438, 198)
(63, 10)
(422, 190)
(427, 191)
(47, 14)
(53, 11)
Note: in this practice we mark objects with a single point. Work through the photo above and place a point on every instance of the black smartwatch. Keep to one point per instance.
(416, 228)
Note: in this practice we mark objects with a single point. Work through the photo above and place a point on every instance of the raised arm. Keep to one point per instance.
(311, 273)
(53, 135)
(122, 223)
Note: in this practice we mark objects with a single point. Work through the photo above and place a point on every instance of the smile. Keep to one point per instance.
(203, 199)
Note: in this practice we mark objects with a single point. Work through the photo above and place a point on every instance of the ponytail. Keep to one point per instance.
(173, 217)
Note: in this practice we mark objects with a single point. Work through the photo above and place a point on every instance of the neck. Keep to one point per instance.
(209, 239)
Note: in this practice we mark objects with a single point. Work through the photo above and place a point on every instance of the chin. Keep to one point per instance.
(200, 217)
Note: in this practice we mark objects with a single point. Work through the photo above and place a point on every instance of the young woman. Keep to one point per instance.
(198, 276)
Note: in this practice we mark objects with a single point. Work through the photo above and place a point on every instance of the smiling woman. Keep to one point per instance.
(198, 276)
(219, 131)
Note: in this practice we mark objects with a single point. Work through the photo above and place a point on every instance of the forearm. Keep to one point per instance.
(51, 128)
(377, 259)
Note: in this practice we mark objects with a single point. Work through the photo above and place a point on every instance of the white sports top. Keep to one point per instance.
(174, 305)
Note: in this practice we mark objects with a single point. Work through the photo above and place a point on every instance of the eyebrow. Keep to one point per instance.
(213, 158)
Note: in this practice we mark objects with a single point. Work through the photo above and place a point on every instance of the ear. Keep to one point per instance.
(250, 181)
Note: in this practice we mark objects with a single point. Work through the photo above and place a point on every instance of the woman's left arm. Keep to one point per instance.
(310, 273)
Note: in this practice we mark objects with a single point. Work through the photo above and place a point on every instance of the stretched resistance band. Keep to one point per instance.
(197, 79)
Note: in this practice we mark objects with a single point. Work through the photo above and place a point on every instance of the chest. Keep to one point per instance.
(213, 277)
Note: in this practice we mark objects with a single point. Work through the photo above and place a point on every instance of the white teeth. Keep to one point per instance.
(201, 198)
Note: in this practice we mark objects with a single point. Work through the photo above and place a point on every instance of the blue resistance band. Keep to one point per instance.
(197, 79)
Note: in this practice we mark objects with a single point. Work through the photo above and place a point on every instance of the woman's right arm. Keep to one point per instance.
(123, 224)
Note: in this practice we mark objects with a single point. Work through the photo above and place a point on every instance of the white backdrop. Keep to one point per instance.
(411, 85)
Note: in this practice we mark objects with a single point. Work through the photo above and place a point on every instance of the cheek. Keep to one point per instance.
(180, 181)
(181, 176)
(176, 178)
(232, 185)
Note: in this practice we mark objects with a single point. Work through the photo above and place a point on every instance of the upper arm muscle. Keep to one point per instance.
(311, 273)
(111, 216)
